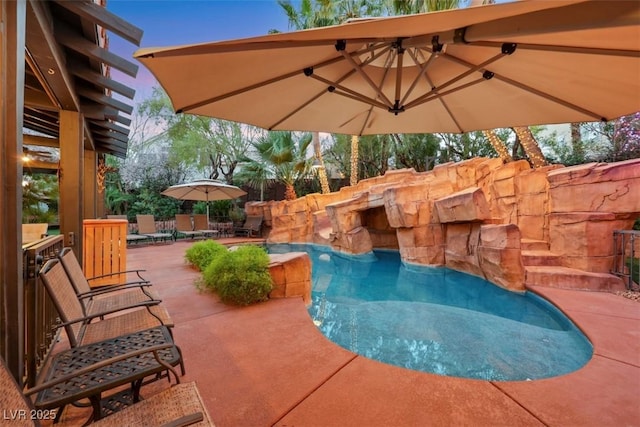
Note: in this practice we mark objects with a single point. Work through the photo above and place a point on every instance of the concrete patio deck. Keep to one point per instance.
(268, 364)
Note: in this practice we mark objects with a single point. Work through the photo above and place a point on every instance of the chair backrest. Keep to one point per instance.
(16, 408)
(74, 271)
(33, 232)
(183, 222)
(253, 222)
(200, 222)
(146, 224)
(64, 297)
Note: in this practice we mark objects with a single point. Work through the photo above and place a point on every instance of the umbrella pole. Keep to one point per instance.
(207, 193)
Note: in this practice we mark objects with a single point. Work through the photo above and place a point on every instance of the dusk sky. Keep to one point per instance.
(174, 22)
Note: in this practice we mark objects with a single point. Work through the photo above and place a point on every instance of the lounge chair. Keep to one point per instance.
(33, 232)
(252, 227)
(201, 224)
(111, 297)
(131, 238)
(81, 327)
(179, 405)
(147, 227)
(185, 227)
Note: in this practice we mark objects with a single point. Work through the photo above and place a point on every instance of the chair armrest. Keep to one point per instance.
(117, 273)
(112, 288)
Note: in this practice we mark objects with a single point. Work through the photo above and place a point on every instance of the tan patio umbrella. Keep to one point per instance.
(204, 190)
(485, 67)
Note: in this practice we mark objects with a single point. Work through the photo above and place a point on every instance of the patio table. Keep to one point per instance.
(95, 368)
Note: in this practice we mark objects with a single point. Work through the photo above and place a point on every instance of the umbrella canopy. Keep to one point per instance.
(204, 190)
(485, 67)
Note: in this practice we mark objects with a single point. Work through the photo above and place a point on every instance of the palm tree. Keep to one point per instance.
(322, 13)
(282, 155)
(312, 13)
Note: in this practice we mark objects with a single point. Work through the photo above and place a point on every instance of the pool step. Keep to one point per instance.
(571, 278)
(533, 245)
(540, 258)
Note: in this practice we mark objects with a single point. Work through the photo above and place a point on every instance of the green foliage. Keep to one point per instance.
(417, 151)
(374, 154)
(282, 155)
(458, 147)
(206, 145)
(218, 209)
(236, 214)
(40, 199)
(636, 224)
(150, 201)
(240, 277)
(200, 254)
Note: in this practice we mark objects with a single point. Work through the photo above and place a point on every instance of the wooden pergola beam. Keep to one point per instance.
(97, 111)
(40, 141)
(46, 58)
(111, 135)
(105, 82)
(111, 142)
(105, 124)
(103, 99)
(106, 19)
(38, 99)
(71, 40)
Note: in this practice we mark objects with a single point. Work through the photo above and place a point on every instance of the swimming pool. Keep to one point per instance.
(438, 320)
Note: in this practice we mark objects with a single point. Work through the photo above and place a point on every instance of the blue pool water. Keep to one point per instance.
(438, 320)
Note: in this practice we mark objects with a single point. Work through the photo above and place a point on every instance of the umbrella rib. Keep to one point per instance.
(444, 105)
(366, 78)
(367, 113)
(597, 117)
(472, 69)
(366, 120)
(423, 69)
(438, 95)
(565, 49)
(366, 101)
(253, 86)
(532, 90)
(333, 86)
(313, 98)
(348, 74)
(230, 47)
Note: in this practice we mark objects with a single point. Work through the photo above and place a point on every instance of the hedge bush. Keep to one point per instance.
(200, 254)
(240, 277)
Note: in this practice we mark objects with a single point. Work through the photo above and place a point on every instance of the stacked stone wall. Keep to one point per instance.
(587, 203)
(471, 215)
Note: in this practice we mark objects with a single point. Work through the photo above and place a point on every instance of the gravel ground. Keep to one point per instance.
(632, 295)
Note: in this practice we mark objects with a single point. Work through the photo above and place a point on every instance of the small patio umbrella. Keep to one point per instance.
(204, 190)
(511, 64)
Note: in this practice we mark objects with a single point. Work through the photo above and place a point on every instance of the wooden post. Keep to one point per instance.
(12, 60)
(90, 186)
(71, 179)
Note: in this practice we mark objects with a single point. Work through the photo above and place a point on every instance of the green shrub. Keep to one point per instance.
(240, 277)
(200, 254)
(636, 225)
